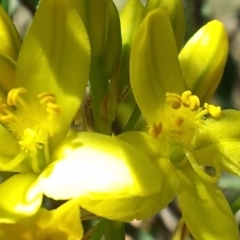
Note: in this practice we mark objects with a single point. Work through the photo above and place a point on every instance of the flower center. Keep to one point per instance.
(32, 124)
(181, 119)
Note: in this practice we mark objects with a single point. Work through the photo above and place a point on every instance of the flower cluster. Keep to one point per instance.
(61, 89)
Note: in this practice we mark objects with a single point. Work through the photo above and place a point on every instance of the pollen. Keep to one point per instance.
(31, 122)
(181, 117)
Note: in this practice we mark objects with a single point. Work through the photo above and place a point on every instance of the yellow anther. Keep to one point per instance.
(186, 97)
(49, 100)
(174, 99)
(155, 129)
(6, 118)
(179, 121)
(13, 96)
(53, 108)
(194, 103)
(46, 97)
(214, 111)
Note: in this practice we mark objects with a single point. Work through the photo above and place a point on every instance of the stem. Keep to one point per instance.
(133, 119)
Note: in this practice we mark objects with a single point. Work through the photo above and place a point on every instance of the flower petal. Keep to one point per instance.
(219, 142)
(21, 201)
(105, 171)
(176, 15)
(99, 165)
(154, 66)
(204, 208)
(127, 209)
(59, 224)
(55, 57)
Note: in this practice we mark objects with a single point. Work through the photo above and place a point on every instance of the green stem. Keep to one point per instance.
(235, 206)
(133, 119)
(99, 88)
(115, 230)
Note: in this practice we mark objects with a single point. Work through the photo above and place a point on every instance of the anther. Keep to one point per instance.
(155, 129)
(13, 96)
(46, 97)
(174, 99)
(49, 100)
(186, 98)
(214, 111)
(53, 109)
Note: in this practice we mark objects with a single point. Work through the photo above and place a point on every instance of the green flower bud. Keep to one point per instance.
(203, 58)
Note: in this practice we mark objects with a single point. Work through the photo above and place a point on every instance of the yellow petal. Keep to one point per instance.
(204, 208)
(219, 141)
(55, 58)
(20, 197)
(154, 66)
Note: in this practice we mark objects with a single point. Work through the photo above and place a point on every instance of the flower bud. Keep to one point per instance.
(10, 38)
(203, 59)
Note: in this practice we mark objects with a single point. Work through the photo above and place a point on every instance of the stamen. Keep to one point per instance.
(49, 100)
(13, 163)
(34, 162)
(198, 169)
(155, 129)
(14, 99)
(174, 99)
(214, 111)
(190, 101)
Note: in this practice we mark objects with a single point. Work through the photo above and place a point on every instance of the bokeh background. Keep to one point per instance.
(163, 226)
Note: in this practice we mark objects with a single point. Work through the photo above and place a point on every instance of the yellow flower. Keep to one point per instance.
(181, 129)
